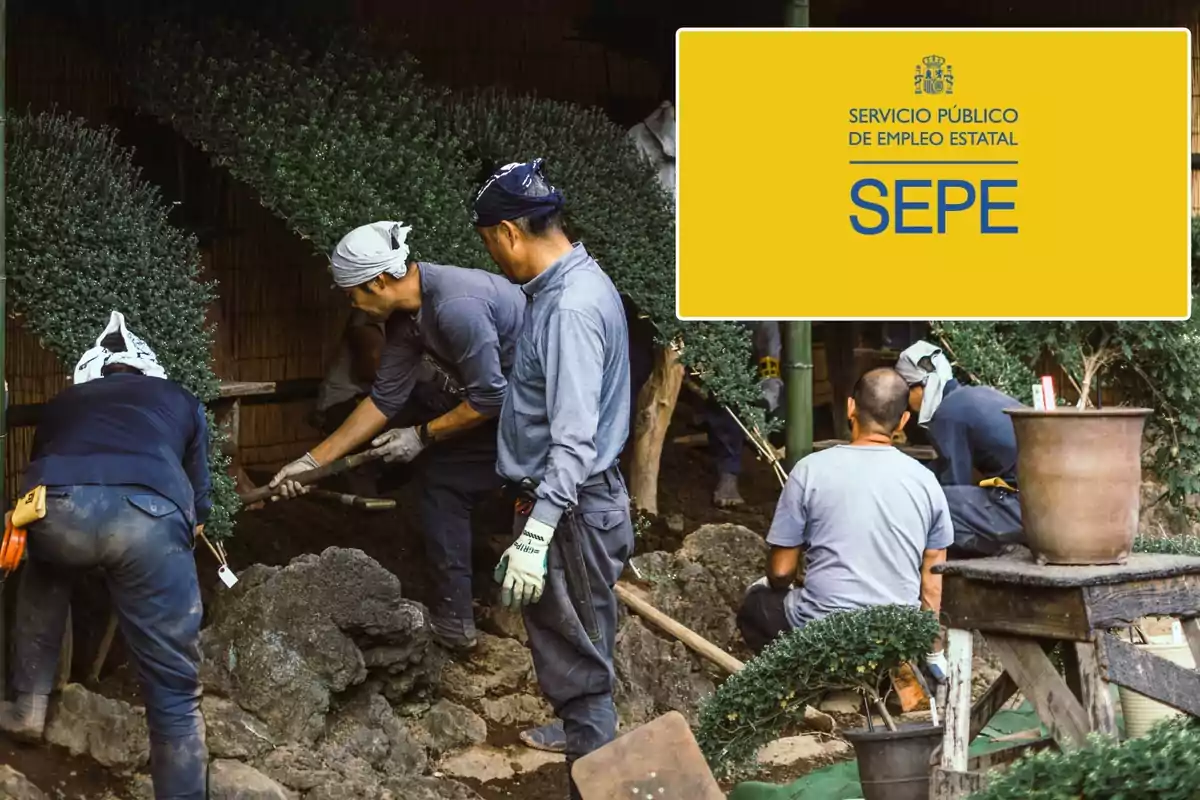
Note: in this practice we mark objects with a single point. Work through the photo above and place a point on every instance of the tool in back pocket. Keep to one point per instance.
(29, 509)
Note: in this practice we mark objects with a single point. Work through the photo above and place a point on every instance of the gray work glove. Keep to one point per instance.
(772, 390)
(291, 489)
(399, 444)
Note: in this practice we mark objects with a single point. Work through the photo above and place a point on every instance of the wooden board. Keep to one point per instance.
(918, 451)
(1016, 610)
(659, 759)
(1145, 673)
(246, 388)
(1022, 570)
(1036, 677)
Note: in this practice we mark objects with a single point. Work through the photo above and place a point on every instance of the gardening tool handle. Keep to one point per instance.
(312, 476)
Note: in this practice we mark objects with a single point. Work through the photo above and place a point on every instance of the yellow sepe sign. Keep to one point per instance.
(934, 174)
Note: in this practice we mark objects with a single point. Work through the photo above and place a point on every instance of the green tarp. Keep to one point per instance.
(840, 781)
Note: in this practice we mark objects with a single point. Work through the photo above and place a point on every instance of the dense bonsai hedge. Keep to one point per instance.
(86, 235)
(851, 650)
(332, 140)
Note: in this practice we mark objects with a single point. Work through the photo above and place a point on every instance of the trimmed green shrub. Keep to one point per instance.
(1161, 765)
(332, 141)
(87, 235)
(854, 650)
(1168, 545)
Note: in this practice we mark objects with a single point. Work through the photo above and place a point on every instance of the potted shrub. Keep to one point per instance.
(1080, 468)
(855, 650)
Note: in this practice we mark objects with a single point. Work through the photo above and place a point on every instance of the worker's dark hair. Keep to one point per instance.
(112, 369)
(114, 342)
(881, 397)
(541, 225)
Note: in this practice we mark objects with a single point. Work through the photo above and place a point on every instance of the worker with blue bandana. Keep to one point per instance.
(976, 450)
(564, 422)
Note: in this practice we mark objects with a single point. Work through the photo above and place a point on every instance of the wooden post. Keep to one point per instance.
(959, 646)
(656, 405)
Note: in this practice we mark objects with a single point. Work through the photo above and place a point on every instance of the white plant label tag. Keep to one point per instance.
(226, 575)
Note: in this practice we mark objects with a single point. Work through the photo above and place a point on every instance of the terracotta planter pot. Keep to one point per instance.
(1080, 477)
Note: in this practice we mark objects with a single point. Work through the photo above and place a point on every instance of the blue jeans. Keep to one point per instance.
(144, 546)
(573, 627)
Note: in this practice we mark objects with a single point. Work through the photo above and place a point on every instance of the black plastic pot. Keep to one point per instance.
(894, 765)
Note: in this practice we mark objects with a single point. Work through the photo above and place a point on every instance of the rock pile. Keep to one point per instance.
(321, 682)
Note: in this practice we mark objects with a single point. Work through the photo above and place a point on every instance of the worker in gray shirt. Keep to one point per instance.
(564, 422)
(451, 335)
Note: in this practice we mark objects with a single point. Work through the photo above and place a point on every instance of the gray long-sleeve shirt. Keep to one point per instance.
(469, 320)
(566, 413)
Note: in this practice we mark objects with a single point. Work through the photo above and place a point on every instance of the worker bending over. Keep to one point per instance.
(870, 522)
(451, 334)
(123, 456)
(564, 422)
(976, 448)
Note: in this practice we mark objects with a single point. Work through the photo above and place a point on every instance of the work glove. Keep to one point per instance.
(936, 666)
(291, 489)
(399, 444)
(521, 572)
(772, 390)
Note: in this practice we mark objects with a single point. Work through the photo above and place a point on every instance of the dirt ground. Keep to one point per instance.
(281, 531)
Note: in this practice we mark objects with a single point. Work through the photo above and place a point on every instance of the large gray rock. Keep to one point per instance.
(232, 733)
(283, 641)
(366, 728)
(15, 786)
(233, 780)
(516, 709)
(431, 789)
(112, 732)
(496, 667)
(689, 594)
(450, 726)
(655, 676)
(734, 555)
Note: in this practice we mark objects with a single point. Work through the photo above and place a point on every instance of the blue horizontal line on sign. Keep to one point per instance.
(944, 163)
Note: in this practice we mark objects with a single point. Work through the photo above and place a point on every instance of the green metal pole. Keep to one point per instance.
(798, 371)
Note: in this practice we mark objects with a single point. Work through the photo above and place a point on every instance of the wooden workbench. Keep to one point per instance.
(1023, 609)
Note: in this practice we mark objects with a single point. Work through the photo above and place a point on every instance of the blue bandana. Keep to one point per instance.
(515, 191)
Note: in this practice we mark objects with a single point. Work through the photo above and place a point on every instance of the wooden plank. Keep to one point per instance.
(956, 739)
(1191, 629)
(1094, 691)
(1121, 605)
(1035, 676)
(918, 451)
(994, 699)
(1015, 610)
(1000, 758)
(1150, 675)
(246, 388)
(948, 784)
(1022, 570)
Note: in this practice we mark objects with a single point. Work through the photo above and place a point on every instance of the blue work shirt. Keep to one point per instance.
(123, 430)
(970, 431)
(566, 414)
(469, 320)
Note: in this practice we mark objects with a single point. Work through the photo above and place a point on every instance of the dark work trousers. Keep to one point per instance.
(456, 474)
(986, 520)
(573, 627)
(144, 546)
(762, 617)
(725, 439)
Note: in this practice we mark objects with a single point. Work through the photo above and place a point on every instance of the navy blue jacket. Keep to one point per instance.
(123, 430)
(970, 430)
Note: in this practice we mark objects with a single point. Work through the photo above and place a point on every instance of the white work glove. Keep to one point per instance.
(291, 489)
(937, 666)
(399, 444)
(772, 389)
(521, 572)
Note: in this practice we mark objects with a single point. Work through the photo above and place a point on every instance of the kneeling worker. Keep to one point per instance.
(123, 456)
(564, 422)
(870, 521)
(976, 447)
(451, 333)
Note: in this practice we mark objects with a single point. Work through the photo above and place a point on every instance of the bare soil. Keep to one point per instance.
(284, 530)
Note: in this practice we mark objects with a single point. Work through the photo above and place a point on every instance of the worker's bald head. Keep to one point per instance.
(881, 400)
